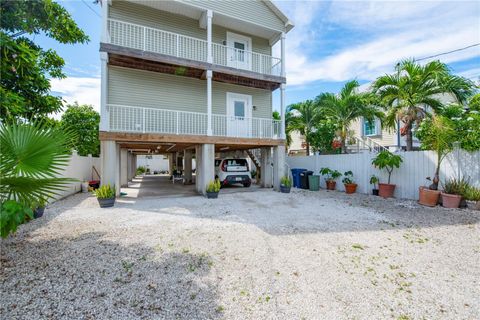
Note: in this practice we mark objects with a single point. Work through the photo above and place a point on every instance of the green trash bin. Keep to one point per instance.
(313, 182)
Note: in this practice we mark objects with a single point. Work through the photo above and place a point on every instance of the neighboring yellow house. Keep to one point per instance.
(373, 131)
(297, 147)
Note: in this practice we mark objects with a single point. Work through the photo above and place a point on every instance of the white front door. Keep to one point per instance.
(238, 52)
(239, 115)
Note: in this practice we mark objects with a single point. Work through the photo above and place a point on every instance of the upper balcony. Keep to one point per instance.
(186, 39)
(148, 39)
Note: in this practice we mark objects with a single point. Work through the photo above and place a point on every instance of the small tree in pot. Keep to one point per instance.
(435, 133)
(374, 181)
(388, 161)
(213, 188)
(350, 185)
(105, 196)
(285, 184)
(330, 177)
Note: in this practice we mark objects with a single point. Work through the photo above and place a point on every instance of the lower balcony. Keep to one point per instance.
(135, 119)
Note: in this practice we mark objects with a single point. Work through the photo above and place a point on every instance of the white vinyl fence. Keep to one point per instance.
(79, 168)
(416, 166)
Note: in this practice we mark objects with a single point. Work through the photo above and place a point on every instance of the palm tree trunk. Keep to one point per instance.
(409, 136)
(308, 148)
(344, 147)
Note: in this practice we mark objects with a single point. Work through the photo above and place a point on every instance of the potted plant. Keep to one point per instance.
(452, 193)
(427, 196)
(473, 194)
(285, 184)
(350, 185)
(374, 181)
(453, 190)
(39, 208)
(213, 188)
(330, 177)
(105, 196)
(388, 161)
(435, 133)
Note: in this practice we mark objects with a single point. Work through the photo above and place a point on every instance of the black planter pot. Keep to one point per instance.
(106, 203)
(38, 212)
(284, 189)
(212, 195)
(375, 192)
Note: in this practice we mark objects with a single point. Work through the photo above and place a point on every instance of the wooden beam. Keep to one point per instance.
(128, 137)
(258, 80)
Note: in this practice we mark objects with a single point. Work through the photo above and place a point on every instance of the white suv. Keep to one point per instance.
(231, 171)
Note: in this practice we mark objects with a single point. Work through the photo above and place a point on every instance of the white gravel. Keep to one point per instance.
(250, 255)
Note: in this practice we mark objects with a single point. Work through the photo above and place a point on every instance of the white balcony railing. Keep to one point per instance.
(144, 38)
(151, 120)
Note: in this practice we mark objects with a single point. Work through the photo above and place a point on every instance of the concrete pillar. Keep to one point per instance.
(110, 164)
(187, 166)
(135, 165)
(278, 165)
(129, 166)
(282, 111)
(198, 172)
(171, 163)
(266, 167)
(208, 165)
(123, 168)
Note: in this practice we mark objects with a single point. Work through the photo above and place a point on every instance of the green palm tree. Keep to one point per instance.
(302, 117)
(346, 107)
(413, 90)
(31, 159)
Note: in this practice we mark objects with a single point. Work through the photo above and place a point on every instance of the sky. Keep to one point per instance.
(332, 42)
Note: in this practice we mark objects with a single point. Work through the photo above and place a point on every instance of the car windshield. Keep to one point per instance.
(236, 162)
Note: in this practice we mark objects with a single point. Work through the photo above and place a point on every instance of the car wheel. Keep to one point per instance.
(247, 184)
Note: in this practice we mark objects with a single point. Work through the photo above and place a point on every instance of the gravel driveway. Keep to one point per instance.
(251, 255)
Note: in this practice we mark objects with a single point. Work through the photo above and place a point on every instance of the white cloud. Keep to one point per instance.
(392, 31)
(84, 90)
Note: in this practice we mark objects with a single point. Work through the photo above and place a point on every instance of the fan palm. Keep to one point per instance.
(31, 158)
(413, 89)
(346, 107)
(302, 117)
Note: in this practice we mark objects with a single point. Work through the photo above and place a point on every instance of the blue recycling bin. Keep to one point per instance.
(296, 176)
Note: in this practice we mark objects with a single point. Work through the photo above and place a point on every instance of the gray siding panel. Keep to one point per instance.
(145, 16)
(253, 11)
(141, 88)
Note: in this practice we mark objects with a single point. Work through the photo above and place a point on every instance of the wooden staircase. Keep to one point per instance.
(255, 161)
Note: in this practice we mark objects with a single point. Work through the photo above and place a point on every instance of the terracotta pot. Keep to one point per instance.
(428, 197)
(350, 187)
(386, 190)
(331, 184)
(451, 200)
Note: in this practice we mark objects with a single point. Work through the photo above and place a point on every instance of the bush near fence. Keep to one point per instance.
(416, 166)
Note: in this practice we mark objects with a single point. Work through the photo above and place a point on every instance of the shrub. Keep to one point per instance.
(105, 192)
(141, 170)
(330, 174)
(388, 161)
(348, 178)
(13, 215)
(286, 181)
(472, 193)
(213, 186)
(374, 180)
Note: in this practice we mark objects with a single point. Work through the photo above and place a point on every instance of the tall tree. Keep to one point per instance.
(415, 90)
(83, 122)
(346, 107)
(26, 68)
(303, 117)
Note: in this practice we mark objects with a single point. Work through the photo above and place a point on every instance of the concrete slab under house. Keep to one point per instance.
(191, 80)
